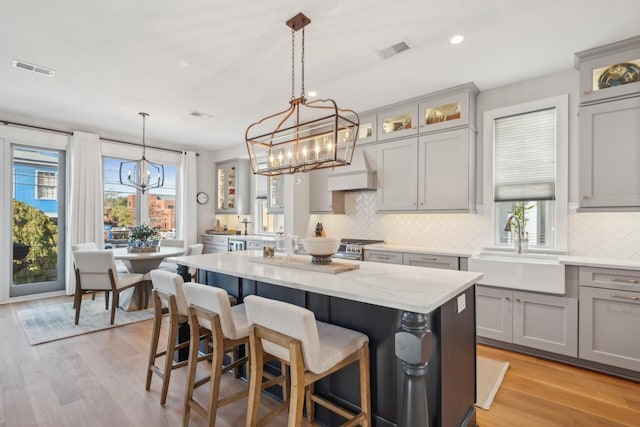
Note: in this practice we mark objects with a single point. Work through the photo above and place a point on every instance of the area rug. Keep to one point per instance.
(56, 321)
(489, 376)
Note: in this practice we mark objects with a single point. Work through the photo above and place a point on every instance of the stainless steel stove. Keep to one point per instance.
(352, 248)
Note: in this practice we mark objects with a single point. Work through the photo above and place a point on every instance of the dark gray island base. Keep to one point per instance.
(445, 337)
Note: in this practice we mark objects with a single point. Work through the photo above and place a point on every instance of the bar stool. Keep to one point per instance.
(168, 293)
(209, 308)
(313, 350)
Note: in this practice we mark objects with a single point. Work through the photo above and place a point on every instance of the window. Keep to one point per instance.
(122, 210)
(528, 150)
(46, 185)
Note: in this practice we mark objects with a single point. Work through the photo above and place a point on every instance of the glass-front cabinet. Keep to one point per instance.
(276, 196)
(448, 109)
(368, 130)
(232, 186)
(398, 123)
(609, 72)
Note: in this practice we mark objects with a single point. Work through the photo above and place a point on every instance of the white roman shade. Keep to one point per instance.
(525, 156)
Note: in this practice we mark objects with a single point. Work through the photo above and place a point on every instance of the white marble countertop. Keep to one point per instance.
(464, 253)
(624, 263)
(415, 289)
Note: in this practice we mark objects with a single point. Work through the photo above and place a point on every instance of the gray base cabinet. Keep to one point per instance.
(610, 317)
(432, 261)
(214, 244)
(545, 322)
(387, 257)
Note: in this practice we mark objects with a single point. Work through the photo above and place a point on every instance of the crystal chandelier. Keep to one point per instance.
(142, 175)
(306, 136)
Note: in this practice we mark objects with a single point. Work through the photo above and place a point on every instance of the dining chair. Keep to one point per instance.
(173, 243)
(96, 271)
(195, 249)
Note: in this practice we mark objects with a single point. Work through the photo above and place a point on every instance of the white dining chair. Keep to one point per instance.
(97, 271)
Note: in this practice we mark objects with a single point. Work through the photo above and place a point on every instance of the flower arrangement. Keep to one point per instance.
(142, 236)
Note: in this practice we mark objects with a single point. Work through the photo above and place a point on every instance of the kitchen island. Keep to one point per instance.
(420, 323)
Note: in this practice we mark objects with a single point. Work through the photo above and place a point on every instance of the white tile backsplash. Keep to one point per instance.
(599, 234)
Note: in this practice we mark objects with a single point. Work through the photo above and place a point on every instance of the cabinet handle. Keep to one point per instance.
(382, 257)
(421, 203)
(624, 297)
(586, 197)
(632, 281)
(517, 299)
(429, 259)
(414, 203)
(507, 299)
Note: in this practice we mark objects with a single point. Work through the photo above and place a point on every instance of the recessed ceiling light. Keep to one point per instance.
(457, 39)
(313, 93)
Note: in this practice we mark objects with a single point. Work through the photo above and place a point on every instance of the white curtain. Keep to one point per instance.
(84, 214)
(186, 216)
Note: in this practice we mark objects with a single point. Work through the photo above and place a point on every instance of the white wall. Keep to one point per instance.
(605, 234)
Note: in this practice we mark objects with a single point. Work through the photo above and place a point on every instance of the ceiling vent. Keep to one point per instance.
(201, 115)
(393, 50)
(34, 68)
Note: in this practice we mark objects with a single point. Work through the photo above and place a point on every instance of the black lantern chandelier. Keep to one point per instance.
(142, 175)
(305, 136)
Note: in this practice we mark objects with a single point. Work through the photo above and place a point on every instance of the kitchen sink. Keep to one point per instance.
(536, 272)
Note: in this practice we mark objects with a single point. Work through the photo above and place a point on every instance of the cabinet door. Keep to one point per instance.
(368, 130)
(610, 154)
(446, 112)
(446, 171)
(232, 186)
(494, 317)
(609, 325)
(223, 178)
(320, 198)
(546, 322)
(398, 123)
(431, 261)
(276, 198)
(397, 175)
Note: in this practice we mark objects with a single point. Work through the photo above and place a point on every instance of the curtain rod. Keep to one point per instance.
(64, 132)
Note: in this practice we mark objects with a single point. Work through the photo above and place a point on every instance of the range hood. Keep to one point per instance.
(357, 176)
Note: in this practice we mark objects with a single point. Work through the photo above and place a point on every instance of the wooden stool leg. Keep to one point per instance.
(255, 380)
(192, 365)
(297, 385)
(216, 370)
(171, 348)
(310, 405)
(155, 337)
(114, 305)
(365, 386)
(106, 300)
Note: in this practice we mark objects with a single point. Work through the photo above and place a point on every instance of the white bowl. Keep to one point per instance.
(321, 246)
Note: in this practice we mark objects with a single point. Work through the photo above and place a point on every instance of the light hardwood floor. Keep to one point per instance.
(98, 380)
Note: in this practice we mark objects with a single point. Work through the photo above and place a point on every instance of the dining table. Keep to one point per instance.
(141, 262)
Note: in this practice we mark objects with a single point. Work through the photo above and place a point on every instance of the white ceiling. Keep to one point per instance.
(232, 59)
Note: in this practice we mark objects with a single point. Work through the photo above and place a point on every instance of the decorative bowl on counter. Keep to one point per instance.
(321, 248)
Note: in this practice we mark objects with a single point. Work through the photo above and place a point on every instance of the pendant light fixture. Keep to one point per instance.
(142, 175)
(305, 136)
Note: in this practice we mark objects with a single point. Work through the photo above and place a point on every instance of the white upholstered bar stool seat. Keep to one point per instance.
(168, 297)
(209, 308)
(313, 350)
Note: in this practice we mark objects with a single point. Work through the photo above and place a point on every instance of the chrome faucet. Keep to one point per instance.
(507, 227)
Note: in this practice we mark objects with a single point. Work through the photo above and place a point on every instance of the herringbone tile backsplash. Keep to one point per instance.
(600, 234)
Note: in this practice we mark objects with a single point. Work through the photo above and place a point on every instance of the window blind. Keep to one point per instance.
(525, 156)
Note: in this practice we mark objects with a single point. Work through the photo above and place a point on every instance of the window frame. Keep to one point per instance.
(561, 105)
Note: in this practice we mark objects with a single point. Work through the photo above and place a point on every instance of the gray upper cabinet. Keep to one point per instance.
(321, 200)
(397, 175)
(609, 72)
(233, 187)
(610, 154)
(446, 171)
(609, 133)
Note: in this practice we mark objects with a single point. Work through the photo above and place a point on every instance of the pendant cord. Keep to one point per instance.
(302, 65)
(293, 64)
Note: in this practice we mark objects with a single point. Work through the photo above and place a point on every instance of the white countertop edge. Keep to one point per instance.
(414, 289)
(464, 253)
(584, 261)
